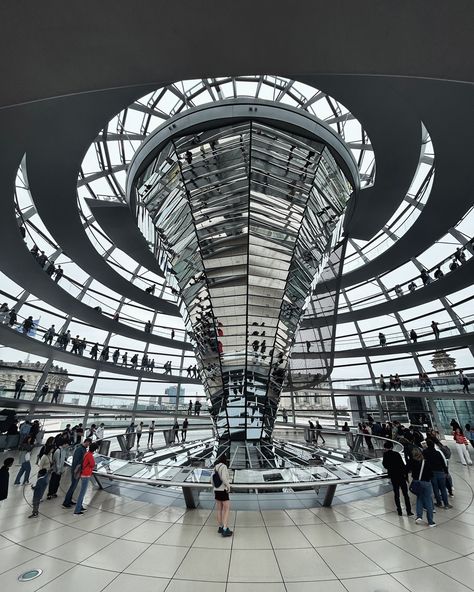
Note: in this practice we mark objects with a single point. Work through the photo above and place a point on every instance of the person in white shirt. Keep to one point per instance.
(221, 485)
(100, 431)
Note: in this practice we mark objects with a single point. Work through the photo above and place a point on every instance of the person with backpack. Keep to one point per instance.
(57, 469)
(44, 459)
(421, 486)
(221, 486)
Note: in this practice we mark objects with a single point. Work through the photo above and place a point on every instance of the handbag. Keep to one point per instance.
(415, 485)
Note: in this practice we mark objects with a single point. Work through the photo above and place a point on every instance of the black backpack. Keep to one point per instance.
(445, 450)
(216, 479)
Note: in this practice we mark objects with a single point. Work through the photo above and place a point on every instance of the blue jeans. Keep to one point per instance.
(425, 500)
(82, 493)
(24, 469)
(70, 492)
(439, 487)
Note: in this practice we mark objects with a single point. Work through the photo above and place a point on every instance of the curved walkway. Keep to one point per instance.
(48, 409)
(117, 222)
(122, 544)
(21, 342)
(56, 203)
(452, 282)
(454, 341)
(451, 146)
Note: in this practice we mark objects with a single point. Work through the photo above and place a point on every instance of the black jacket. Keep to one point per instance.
(396, 468)
(415, 468)
(4, 478)
(434, 460)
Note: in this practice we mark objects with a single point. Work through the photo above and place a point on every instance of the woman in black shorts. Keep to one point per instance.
(221, 495)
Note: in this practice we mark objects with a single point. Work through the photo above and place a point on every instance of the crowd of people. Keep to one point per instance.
(457, 259)
(55, 272)
(78, 444)
(427, 460)
(79, 346)
(51, 463)
(425, 383)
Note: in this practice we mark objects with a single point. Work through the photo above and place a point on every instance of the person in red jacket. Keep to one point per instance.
(88, 464)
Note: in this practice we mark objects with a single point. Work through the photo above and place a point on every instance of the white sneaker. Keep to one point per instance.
(432, 525)
(418, 520)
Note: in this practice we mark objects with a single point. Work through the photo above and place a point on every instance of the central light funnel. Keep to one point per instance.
(246, 201)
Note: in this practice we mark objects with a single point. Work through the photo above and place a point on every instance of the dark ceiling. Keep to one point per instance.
(54, 48)
(393, 64)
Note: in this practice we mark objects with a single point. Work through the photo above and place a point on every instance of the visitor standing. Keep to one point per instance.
(184, 429)
(470, 433)
(100, 432)
(38, 491)
(44, 391)
(421, 486)
(439, 466)
(139, 431)
(57, 469)
(5, 477)
(319, 434)
(76, 467)
(176, 431)
(87, 468)
(19, 384)
(398, 474)
(25, 467)
(221, 485)
(462, 447)
(464, 380)
(55, 397)
(151, 434)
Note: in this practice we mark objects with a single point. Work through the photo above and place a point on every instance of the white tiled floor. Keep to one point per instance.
(122, 545)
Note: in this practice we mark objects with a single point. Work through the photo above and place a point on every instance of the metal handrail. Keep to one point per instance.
(254, 485)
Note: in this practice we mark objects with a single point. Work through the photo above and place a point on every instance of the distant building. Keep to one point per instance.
(32, 372)
(172, 393)
(155, 402)
(443, 363)
(307, 393)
